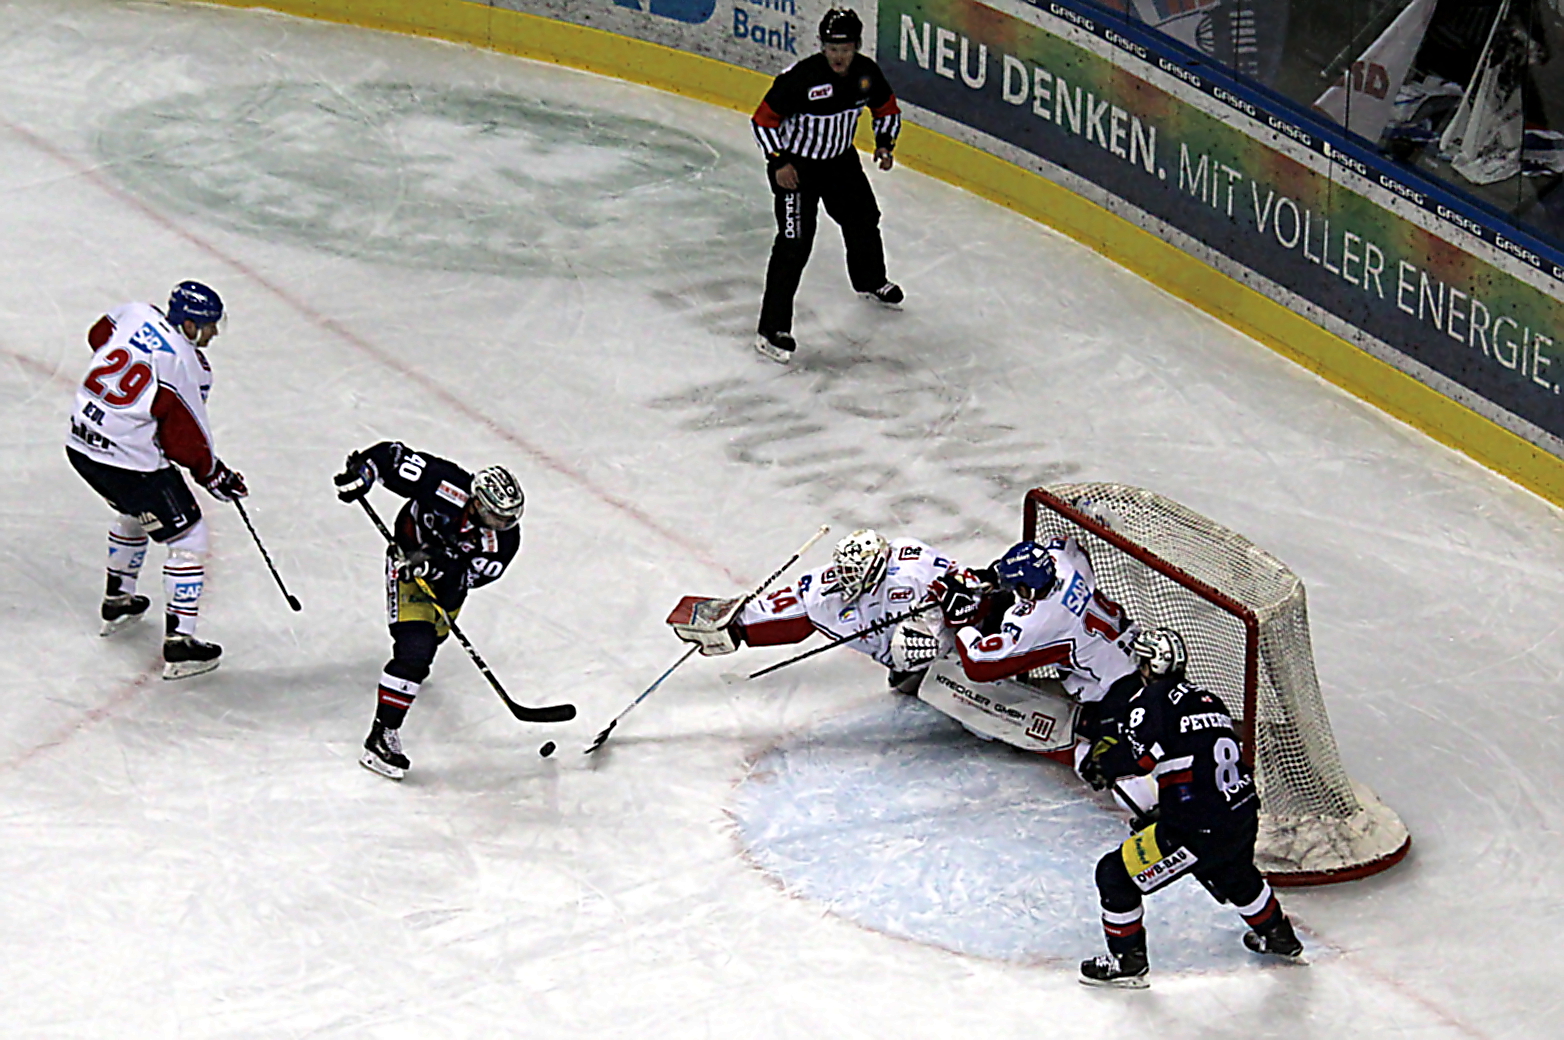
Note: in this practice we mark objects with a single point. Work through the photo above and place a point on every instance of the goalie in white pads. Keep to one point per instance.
(1183, 737)
(890, 590)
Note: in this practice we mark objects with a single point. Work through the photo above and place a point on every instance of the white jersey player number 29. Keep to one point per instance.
(120, 380)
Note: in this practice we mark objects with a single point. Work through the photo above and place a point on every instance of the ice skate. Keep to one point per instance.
(778, 346)
(1276, 940)
(184, 656)
(1126, 972)
(119, 611)
(383, 752)
(889, 294)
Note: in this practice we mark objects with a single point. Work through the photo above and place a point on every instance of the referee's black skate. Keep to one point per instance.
(889, 294)
(383, 752)
(184, 656)
(778, 346)
(119, 611)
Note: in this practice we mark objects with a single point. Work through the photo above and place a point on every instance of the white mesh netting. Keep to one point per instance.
(1244, 616)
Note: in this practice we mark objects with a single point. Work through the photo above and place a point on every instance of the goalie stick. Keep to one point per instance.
(549, 713)
(602, 737)
(878, 626)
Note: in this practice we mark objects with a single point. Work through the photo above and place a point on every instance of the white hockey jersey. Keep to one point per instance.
(142, 403)
(814, 602)
(1074, 628)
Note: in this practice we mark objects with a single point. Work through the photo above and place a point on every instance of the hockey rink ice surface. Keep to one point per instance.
(502, 261)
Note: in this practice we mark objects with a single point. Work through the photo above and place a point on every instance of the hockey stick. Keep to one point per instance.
(878, 626)
(293, 601)
(598, 741)
(551, 713)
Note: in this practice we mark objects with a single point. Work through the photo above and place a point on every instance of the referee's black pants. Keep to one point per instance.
(840, 184)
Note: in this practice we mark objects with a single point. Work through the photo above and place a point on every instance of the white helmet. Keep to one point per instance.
(1162, 649)
(499, 498)
(860, 560)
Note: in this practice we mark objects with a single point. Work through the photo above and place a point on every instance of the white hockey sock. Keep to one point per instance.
(182, 584)
(127, 552)
(184, 576)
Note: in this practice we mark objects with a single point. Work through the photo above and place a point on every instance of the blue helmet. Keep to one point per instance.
(192, 301)
(1027, 565)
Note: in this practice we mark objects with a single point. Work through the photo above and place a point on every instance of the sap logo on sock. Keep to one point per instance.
(692, 11)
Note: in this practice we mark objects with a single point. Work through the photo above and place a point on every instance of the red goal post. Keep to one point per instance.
(1244, 615)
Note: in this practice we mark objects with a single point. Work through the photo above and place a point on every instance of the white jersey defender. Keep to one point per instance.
(143, 401)
(1068, 625)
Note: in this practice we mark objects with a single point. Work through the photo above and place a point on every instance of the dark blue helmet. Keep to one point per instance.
(1027, 566)
(192, 301)
(841, 25)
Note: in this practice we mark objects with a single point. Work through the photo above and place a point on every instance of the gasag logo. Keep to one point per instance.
(693, 12)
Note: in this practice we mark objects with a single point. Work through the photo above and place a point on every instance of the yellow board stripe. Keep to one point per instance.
(965, 166)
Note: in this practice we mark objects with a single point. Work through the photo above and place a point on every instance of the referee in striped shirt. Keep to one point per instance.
(805, 126)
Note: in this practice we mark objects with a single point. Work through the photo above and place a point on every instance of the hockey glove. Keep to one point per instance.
(1094, 766)
(357, 477)
(913, 648)
(225, 484)
(957, 600)
(711, 624)
(417, 564)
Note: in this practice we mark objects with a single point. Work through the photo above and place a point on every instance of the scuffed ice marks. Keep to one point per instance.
(448, 177)
(897, 819)
(877, 441)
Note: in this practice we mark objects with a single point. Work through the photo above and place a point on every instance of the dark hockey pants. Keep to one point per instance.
(1224, 865)
(841, 185)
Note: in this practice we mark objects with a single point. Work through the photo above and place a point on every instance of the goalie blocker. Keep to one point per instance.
(711, 624)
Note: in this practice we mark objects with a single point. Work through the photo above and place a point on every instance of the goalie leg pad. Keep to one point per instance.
(1037, 717)
(711, 624)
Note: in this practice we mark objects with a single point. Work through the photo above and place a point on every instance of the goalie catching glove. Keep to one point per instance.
(913, 646)
(711, 624)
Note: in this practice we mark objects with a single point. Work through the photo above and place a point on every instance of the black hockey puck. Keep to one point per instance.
(547, 749)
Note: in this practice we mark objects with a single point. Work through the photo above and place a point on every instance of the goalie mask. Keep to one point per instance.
(860, 560)
(1028, 569)
(497, 498)
(1162, 650)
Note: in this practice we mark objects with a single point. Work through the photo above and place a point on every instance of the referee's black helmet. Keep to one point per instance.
(841, 25)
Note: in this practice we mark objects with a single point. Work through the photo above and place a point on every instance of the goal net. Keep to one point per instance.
(1244, 617)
